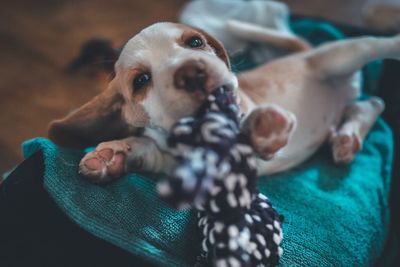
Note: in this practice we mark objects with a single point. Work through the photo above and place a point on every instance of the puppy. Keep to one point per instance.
(289, 106)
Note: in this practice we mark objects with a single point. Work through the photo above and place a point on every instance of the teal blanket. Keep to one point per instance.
(334, 216)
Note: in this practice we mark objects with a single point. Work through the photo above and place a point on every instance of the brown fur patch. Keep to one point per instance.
(211, 41)
(101, 119)
(217, 46)
(133, 111)
(130, 75)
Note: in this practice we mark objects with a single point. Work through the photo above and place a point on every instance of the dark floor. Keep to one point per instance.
(38, 39)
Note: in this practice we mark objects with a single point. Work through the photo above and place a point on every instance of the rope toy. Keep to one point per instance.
(216, 173)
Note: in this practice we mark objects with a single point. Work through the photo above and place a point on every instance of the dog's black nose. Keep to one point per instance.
(191, 76)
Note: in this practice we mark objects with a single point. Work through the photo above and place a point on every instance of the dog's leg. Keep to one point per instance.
(112, 159)
(256, 33)
(269, 128)
(344, 58)
(359, 117)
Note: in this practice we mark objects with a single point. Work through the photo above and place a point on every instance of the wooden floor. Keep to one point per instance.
(38, 39)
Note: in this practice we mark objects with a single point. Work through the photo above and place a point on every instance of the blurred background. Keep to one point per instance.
(39, 38)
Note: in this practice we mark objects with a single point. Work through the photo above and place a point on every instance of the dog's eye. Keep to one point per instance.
(141, 80)
(195, 42)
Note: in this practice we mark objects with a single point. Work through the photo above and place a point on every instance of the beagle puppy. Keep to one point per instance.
(290, 106)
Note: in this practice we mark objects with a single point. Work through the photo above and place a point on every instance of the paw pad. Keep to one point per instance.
(102, 165)
(345, 146)
(270, 130)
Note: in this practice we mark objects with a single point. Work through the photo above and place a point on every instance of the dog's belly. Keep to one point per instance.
(316, 113)
(318, 107)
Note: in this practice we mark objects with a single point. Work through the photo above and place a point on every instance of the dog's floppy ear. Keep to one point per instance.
(98, 120)
(218, 47)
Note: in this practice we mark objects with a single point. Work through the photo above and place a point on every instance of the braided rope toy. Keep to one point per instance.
(217, 174)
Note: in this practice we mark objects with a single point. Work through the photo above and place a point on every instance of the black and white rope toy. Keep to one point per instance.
(216, 173)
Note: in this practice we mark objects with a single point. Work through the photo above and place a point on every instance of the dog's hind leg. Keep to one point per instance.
(344, 58)
(255, 33)
(358, 119)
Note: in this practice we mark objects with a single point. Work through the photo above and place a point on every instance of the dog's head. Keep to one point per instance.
(163, 73)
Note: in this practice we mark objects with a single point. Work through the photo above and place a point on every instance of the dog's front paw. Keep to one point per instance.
(105, 163)
(345, 146)
(269, 129)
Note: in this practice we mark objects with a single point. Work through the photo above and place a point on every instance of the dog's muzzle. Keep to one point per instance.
(192, 76)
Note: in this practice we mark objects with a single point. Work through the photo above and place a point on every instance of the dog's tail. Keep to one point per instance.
(256, 33)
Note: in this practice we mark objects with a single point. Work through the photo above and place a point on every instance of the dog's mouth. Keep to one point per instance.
(199, 77)
(227, 87)
(160, 133)
(190, 99)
